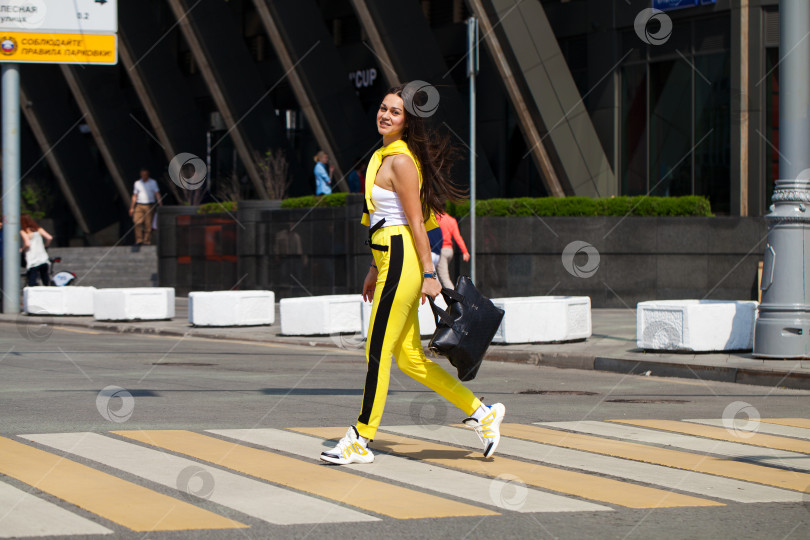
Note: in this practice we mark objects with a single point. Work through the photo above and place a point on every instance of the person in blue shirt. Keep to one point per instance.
(323, 178)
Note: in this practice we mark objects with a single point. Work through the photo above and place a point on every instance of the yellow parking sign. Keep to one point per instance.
(47, 48)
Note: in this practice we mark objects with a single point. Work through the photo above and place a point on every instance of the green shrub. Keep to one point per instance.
(218, 207)
(642, 205)
(311, 201)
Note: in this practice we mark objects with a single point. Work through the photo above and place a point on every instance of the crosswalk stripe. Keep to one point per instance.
(117, 500)
(324, 481)
(252, 497)
(572, 483)
(689, 481)
(23, 514)
(794, 422)
(764, 456)
(422, 475)
(722, 434)
(747, 426)
(749, 472)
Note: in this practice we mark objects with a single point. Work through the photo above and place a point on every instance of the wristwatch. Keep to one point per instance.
(433, 275)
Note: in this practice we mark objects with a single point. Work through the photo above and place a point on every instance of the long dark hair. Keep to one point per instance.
(435, 154)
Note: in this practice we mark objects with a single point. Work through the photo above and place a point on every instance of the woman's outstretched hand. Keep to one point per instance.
(430, 287)
(369, 284)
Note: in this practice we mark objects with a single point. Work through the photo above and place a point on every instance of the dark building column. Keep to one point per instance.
(315, 71)
(55, 120)
(53, 161)
(233, 80)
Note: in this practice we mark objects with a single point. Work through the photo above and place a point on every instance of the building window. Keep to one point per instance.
(676, 128)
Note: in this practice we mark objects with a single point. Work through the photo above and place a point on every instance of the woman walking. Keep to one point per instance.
(35, 240)
(407, 181)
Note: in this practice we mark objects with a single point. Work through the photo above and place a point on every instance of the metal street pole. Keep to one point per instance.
(783, 327)
(11, 188)
(472, 70)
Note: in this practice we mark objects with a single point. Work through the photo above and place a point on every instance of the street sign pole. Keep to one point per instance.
(11, 188)
(472, 69)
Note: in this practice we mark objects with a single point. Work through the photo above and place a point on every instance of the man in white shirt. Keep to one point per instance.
(145, 197)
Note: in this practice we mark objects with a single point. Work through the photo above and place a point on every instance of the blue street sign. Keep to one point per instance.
(668, 5)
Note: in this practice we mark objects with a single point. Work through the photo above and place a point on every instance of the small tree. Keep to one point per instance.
(274, 170)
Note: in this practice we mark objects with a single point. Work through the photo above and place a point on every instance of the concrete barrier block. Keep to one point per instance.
(58, 300)
(136, 303)
(696, 325)
(427, 323)
(543, 319)
(320, 315)
(231, 308)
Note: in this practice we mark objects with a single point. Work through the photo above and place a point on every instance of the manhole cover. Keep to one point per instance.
(184, 364)
(647, 401)
(559, 392)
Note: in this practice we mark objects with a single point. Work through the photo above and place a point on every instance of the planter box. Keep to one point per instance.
(144, 304)
(543, 319)
(696, 325)
(320, 315)
(58, 300)
(232, 308)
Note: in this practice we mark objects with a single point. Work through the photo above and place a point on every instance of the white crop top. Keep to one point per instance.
(387, 205)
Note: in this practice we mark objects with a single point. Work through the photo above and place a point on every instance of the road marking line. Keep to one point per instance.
(74, 330)
(582, 485)
(310, 477)
(797, 481)
(119, 501)
(422, 475)
(722, 434)
(251, 497)
(794, 422)
(758, 427)
(765, 456)
(23, 514)
(689, 481)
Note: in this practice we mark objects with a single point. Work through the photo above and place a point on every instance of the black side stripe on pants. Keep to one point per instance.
(377, 336)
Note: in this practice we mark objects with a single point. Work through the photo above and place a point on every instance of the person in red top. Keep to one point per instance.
(449, 227)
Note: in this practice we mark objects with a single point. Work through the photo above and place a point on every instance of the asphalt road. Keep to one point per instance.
(70, 381)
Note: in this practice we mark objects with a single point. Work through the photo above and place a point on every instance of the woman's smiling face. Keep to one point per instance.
(391, 116)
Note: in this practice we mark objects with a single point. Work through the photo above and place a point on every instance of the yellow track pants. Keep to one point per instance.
(394, 331)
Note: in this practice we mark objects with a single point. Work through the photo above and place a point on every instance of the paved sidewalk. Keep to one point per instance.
(612, 347)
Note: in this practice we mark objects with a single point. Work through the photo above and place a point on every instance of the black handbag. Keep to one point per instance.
(464, 332)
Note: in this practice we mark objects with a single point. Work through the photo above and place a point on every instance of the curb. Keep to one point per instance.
(756, 377)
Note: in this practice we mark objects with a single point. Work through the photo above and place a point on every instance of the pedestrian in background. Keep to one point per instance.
(323, 178)
(145, 198)
(450, 232)
(35, 239)
(356, 178)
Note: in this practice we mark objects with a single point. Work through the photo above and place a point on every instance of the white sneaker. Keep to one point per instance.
(489, 428)
(348, 450)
